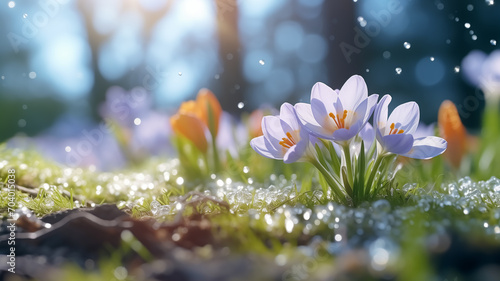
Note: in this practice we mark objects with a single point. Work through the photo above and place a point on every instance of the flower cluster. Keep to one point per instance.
(333, 133)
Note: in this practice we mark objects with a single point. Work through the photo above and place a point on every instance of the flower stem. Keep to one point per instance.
(348, 162)
(373, 172)
(215, 155)
(334, 184)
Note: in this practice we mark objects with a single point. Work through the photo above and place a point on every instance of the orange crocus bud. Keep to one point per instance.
(453, 131)
(255, 123)
(190, 127)
(209, 110)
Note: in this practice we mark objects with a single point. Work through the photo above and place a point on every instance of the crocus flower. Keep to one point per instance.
(453, 131)
(483, 71)
(191, 128)
(284, 138)
(194, 117)
(395, 134)
(337, 115)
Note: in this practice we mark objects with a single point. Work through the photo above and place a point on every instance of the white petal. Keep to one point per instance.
(288, 116)
(353, 92)
(380, 116)
(262, 146)
(405, 117)
(305, 115)
(271, 127)
(427, 147)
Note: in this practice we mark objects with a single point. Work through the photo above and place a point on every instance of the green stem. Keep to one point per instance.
(373, 172)
(348, 162)
(334, 184)
(215, 155)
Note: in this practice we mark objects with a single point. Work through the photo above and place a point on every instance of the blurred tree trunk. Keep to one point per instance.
(339, 20)
(232, 81)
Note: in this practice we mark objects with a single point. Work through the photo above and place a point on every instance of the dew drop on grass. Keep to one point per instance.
(398, 70)
(25, 106)
(467, 25)
(179, 180)
(493, 42)
(474, 37)
(407, 45)
(241, 105)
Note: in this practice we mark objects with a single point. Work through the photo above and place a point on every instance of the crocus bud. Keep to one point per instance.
(190, 127)
(209, 110)
(453, 131)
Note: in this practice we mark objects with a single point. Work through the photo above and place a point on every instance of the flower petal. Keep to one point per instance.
(380, 116)
(306, 117)
(398, 144)
(324, 93)
(353, 92)
(367, 134)
(426, 148)
(405, 117)
(288, 118)
(298, 151)
(273, 132)
(262, 146)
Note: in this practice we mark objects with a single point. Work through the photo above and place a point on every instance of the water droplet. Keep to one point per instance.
(440, 6)
(338, 237)
(492, 42)
(398, 70)
(354, 1)
(229, 56)
(474, 37)
(485, 225)
(367, 70)
(180, 73)
(362, 21)
(21, 123)
(32, 75)
(137, 121)
(3, 77)
(467, 25)
(448, 41)
(466, 211)
(25, 106)
(246, 169)
(25, 15)
(457, 19)
(470, 7)
(407, 45)
(262, 62)
(67, 148)
(179, 181)
(241, 105)
(432, 58)
(490, 2)
(386, 54)
(12, 4)
(457, 69)
(471, 32)
(216, 76)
